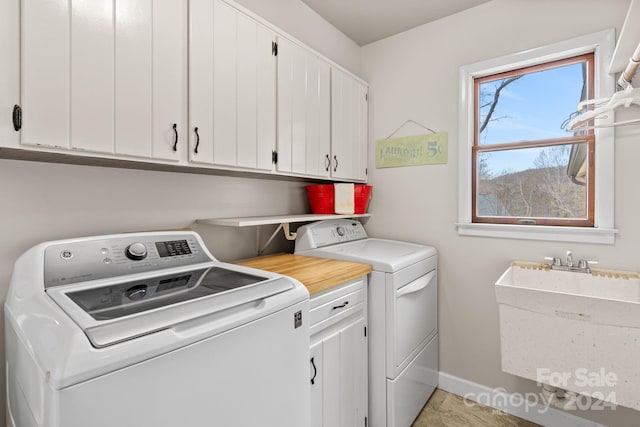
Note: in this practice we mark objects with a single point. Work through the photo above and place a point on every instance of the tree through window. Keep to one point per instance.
(526, 168)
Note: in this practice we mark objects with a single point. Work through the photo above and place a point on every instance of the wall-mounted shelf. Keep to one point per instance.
(279, 219)
(283, 220)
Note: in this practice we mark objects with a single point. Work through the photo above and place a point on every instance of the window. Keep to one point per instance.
(526, 169)
(521, 175)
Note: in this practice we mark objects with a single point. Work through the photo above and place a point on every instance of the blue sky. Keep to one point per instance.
(535, 107)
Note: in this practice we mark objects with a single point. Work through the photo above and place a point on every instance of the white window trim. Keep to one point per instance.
(602, 44)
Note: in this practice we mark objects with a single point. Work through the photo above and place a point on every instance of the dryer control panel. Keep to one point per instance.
(330, 232)
(101, 258)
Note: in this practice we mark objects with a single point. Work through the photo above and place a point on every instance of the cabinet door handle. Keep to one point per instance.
(195, 150)
(175, 133)
(315, 372)
(335, 159)
(17, 118)
(344, 304)
(327, 163)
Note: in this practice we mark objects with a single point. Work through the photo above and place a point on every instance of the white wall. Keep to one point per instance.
(414, 75)
(40, 201)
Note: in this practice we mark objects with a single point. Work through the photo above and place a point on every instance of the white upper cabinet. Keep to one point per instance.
(232, 87)
(322, 117)
(304, 127)
(348, 127)
(105, 76)
(197, 82)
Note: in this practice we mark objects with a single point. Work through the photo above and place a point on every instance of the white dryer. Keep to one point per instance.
(403, 314)
(149, 330)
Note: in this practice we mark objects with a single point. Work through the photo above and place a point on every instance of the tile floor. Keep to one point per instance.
(448, 410)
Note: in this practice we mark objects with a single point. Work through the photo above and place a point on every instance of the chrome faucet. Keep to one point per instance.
(582, 267)
(569, 259)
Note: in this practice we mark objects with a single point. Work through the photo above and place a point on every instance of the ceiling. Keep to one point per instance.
(366, 21)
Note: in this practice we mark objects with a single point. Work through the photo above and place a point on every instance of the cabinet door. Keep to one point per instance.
(104, 76)
(92, 62)
(348, 127)
(169, 79)
(9, 70)
(256, 119)
(353, 374)
(45, 69)
(303, 111)
(341, 361)
(150, 78)
(316, 370)
(201, 81)
(133, 85)
(232, 87)
(331, 375)
(266, 99)
(225, 84)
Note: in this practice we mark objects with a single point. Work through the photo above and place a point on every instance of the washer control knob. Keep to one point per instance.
(136, 251)
(340, 231)
(136, 292)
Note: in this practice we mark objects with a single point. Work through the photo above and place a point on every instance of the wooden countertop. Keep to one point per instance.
(317, 274)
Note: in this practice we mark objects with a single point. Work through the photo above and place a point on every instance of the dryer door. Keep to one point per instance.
(412, 319)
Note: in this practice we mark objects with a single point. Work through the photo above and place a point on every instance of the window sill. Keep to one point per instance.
(539, 232)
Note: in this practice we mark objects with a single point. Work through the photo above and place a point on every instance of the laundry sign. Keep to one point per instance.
(429, 149)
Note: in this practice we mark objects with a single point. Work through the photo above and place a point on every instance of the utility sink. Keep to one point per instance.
(601, 296)
(572, 330)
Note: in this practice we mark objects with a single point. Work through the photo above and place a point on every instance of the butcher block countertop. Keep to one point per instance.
(317, 274)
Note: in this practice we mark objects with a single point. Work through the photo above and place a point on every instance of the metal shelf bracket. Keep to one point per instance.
(284, 226)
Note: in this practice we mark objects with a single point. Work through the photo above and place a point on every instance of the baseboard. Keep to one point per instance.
(513, 404)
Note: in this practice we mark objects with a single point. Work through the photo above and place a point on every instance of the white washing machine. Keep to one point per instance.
(403, 314)
(149, 330)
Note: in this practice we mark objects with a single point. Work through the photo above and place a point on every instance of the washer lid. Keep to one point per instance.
(383, 255)
(113, 312)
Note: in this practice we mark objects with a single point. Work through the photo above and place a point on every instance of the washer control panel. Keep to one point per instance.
(329, 232)
(100, 258)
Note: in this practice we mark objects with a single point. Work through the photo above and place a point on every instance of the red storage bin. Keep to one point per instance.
(321, 198)
(362, 196)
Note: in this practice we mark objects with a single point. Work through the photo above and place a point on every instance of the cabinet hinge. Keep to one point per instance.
(365, 421)
(17, 117)
(274, 157)
(366, 96)
(365, 331)
(366, 171)
(274, 48)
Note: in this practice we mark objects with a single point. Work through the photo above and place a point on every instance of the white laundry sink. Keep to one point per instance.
(576, 331)
(602, 296)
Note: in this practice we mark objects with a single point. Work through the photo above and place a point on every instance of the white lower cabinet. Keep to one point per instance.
(338, 360)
